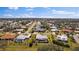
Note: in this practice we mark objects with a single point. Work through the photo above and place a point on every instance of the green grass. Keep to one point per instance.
(12, 46)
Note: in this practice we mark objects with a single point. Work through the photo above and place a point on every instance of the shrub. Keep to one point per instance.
(61, 43)
(32, 40)
(76, 49)
(50, 47)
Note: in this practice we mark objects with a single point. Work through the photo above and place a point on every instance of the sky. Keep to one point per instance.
(39, 12)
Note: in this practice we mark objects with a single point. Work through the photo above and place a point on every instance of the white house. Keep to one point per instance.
(62, 37)
(22, 37)
(53, 28)
(40, 37)
(76, 38)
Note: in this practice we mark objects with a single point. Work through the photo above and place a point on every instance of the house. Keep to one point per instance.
(18, 30)
(28, 35)
(23, 27)
(53, 28)
(1, 30)
(76, 30)
(62, 37)
(8, 36)
(61, 40)
(22, 37)
(39, 28)
(41, 38)
(76, 38)
(67, 30)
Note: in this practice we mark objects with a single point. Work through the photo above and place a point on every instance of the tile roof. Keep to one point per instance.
(8, 36)
(67, 30)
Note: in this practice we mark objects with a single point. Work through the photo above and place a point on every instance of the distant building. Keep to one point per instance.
(18, 30)
(53, 28)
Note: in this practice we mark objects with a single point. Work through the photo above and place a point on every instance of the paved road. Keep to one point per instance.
(31, 26)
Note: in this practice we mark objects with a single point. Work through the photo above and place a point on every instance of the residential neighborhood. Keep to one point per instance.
(39, 34)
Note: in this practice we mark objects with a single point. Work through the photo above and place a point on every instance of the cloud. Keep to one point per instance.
(31, 13)
(47, 8)
(17, 16)
(49, 14)
(65, 16)
(62, 12)
(29, 8)
(25, 16)
(13, 8)
(8, 15)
